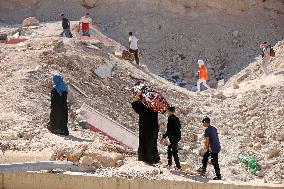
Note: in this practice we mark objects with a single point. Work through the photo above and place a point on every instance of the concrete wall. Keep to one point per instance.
(26, 180)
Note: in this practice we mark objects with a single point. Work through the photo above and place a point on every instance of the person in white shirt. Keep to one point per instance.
(85, 24)
(133, 47)
(265, 57)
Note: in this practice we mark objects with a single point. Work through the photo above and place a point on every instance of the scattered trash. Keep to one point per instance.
(250, 161)
(79, 90)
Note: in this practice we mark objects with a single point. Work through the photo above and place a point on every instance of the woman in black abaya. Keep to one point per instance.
(59, 109)
(148, 133)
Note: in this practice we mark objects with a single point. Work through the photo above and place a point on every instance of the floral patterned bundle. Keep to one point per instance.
(150, 97)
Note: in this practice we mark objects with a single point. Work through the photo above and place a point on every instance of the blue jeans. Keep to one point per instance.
(86, 32)
(67, 33)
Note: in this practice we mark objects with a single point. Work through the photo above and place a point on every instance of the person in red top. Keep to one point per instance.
(85, 24)
(202, 75)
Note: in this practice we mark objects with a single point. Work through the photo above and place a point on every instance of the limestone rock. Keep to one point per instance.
(59, 47)
(219, 95)
(236, 34)
(30, 21)
(221, 83)
(86, 160)
(107, 159)
(74, 156)
(119, 163)
(88, 3)
(280, 136)
(236, 86)
(260, 174)
(103, 71)
(273, 152)
(184, 166)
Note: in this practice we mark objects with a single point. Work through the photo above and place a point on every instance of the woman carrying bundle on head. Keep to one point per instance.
(147, 103)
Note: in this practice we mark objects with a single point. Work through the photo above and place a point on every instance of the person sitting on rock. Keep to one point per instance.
(85, 24)
(66, 27)
(59, 109)
(202, 75)
(212, 145)
(174, 135)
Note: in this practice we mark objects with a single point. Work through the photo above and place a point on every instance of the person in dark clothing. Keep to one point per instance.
(66, 27)
(148, 133)
(213, 147)
(59, 109)
(174, 134)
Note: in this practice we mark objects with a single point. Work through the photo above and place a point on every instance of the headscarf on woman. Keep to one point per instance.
(58, 83)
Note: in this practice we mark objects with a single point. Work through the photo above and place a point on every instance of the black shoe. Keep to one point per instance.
(217, 178)
(201, 171)
(178, 168)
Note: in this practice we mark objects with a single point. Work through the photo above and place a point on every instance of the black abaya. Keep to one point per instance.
(148, 133)
(59, 113)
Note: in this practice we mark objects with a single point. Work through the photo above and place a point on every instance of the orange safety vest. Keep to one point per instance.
(203, 73)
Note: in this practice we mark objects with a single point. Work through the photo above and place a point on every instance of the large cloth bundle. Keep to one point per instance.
(126, 55)
(150, 97)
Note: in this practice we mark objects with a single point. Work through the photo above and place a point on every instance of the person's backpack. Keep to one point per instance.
(272, 52)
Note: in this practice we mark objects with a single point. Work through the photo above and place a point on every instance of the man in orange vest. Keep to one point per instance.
(202, 75)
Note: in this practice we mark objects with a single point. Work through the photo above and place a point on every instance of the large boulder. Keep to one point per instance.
(30, 21)
(103, 71)
(107, 159)
(88, 3)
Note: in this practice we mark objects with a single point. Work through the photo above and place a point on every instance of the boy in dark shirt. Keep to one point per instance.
(174, 135)
(66, 27)
(212, 146)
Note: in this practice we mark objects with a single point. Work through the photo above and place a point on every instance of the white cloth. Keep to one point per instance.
(264, 63)
(133, 42)
(86, 20)
(204, 83)
(200, 62)
(266, 52)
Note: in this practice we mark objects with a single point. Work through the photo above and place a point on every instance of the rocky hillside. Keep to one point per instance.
(174, 34)
(248, 109)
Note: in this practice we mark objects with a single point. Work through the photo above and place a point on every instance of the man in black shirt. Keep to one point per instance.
(174, 135)
(66, 27)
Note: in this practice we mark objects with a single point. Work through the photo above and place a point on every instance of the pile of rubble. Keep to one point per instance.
(247, 109)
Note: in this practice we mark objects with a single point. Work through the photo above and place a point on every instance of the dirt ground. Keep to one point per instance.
(246, 107)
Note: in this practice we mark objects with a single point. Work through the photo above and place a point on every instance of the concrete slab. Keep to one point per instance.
(44, 165)
(103, 71)
(111, 129)
(21, 180)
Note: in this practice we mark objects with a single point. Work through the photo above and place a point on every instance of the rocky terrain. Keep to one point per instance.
(246, 107)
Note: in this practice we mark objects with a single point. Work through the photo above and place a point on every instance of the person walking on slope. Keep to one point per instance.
(59, 109)
(66, 27)
(202, 75)
(148, 132)
(174, 135)
(133, 46)
(85, 24)
(212, 145)
(265, 57)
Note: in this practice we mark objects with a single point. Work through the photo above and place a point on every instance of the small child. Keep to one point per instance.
(174, 135)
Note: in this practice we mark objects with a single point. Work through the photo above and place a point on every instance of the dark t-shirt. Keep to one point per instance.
(173, 129)
(212, 133)
(65, 23)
